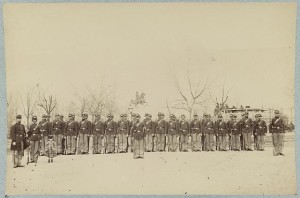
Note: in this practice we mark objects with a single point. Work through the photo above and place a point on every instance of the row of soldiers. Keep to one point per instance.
(135, 136)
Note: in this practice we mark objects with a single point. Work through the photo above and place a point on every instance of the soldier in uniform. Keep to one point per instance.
(63, 141)
(195, 127)
(235, 128)
(223, 134)
(71, 133)
(57, 131)
(149, 133)
(45, 128)
(173, 131)
(138, 135)
(229, 131)
(277, 128)
(241, 136)
(161, 131)
(122, 133)
(204, 119)
(17, 135)
(209, 132)
(85, 130)
(128, 135)
(98, 133)
(130, 138)
(247, 130)
(184, 131)
(260, 130)
(34, 137)
(110, 133)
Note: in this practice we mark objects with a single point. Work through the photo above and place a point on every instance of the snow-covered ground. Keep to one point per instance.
(159, 173)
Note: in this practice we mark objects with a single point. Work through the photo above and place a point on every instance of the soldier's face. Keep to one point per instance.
(276, 115)
(19, 120)
(34, 121)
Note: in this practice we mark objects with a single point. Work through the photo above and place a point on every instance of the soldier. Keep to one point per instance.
(209, 132)
(161, 131)
(229, 131)
(17, 135)
(63, 141)
(260, 130)
(277, 129)
(98, 133)
(57, 131)
(173, 130)
(71, 133)
(130, 138)
(149, 133)
(223, 134)
(235, 128)
(184, 130)
(110, 132)
(122, 133)
(241, 136)
(196, 135)
(128, 135)
(204, 119)
(247, 130)
(45, 128)
(34, 137)
(85, 130)
(138, 135)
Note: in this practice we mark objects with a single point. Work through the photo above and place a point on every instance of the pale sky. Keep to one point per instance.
(139, 46)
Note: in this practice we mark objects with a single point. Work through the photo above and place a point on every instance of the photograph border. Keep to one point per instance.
(3, 101)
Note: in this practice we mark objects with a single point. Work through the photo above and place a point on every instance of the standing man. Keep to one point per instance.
(161, 131)
(45, 129)
(260, 130)
(184, 130)
(122, 133)
(63, 141)
(195, 127)
(241, 121)
(247, 130)
(222, 133)
(128, 135)
(173, 129)
(130, 138)
(110, 133)
(17, 135)
(203, 135)
(85, 130)
(138, 135)
(235, 128)
(149, 133)
(229, 131)
(71, 133)
(98, 133)
(57, 131)
(277, 129)
(34, 137)
(209, 131)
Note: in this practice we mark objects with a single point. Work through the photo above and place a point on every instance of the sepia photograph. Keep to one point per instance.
(140, 98)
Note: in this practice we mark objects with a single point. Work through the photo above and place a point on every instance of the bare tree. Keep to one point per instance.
(12, 110)
(29, 104)
(47, 103)
(195, 94)
(221, 102)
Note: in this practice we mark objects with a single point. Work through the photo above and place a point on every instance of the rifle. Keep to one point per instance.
(28, 149)
(116, 144)
(91, 144)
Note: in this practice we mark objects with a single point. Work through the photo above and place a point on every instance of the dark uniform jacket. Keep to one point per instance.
(195, 126)
(229, 125)
(71, 128)
(260, 127)
(184, 127)
(57, 127)
(149, 126)
(247, 125)
(110, 127)
(45, 128)
(98, 128)
(161, 127)
(173, 127)
(138, 131)
(235, 128)
(209, 127)
(221, 128)
(85, 127)
(123, 127)
(277, 126)
(34, 132)
(17, 135)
